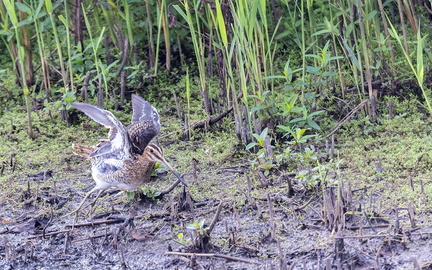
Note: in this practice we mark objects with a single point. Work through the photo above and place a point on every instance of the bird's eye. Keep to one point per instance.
(151, 150)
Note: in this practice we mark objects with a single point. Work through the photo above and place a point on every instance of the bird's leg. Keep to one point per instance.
(76, 211)
(94, 201)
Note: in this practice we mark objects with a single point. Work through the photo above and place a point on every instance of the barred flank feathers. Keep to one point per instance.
(83, 150)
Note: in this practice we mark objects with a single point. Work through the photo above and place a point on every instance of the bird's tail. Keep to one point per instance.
(83, 150)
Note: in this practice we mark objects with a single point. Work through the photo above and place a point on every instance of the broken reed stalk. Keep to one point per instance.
(101, 222)
(347, 117)
(122, 88)
(290, 191)
(122, 258)
(249, 186)
(334, 205)
(124, 57)
(282, 259)
(179, 112)
(206, 122)
(397, 223)
(215, 218)
(100, 93)
(411, 213)
(339, 246)
(272, 219)
(195, 169)
(214, 255)
(86, 84)
(303, 206)
(47, 234)
(332, 146)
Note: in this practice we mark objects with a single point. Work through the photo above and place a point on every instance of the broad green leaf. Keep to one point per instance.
(312, 55)
(63, 20)
(335, 57)
(351, 54)
(284, 128)
(264, 133)
(11, 12)
(309, 96)
(221, 24)
(329, 73)
(201, 223)
(257, 108)
(297, 110)
(322, 32)
(300, 132)
(25, 22)
(274, 77)
(23, 8)
(371, 15)
(313, 70)
(307, 137)
(313, 124)
(250, 145)
(180, 11)
(130, 195)
(48, 6)
(296, 120)
(316, 113)
(191, 227)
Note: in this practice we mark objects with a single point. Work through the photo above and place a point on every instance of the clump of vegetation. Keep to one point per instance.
(256, 97)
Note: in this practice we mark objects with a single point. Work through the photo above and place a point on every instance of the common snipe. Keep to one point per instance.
(125, 160)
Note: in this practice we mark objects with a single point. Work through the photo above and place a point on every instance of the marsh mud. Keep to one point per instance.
(274, 224)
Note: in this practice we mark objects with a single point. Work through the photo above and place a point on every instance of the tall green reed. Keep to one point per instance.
(151, 45)
(39, 14)
(11, 12)
(418, 69)
(163, 21)
(50, 10)
(95, 44)
(194, 24)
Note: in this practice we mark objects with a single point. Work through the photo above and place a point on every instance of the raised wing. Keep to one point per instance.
(144, 111)
(145, 124)
(118, 141)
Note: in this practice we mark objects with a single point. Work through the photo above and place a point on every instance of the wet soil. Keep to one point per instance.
(264, 226)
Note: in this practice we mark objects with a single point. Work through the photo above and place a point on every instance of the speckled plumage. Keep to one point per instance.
(145, 124)
(125, 160)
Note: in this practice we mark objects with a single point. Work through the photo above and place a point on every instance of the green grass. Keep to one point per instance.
(403, 148)
(402, 145)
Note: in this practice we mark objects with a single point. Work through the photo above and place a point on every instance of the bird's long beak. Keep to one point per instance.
(173, 171)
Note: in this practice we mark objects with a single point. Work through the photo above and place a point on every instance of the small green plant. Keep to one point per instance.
(291, 110)
(198, 226)
(262, 160)
(67, 98)
(313, 171)
(264, 108)
(322, 70)
(183, 240)
(260, 140)
(306, 120)
(199, 234)
(150, 192)
(158, 167)
(309, 178)
(297, 134)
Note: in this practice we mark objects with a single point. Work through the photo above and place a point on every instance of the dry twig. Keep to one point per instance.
(226, 257)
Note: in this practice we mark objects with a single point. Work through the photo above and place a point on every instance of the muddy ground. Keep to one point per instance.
(267, 226)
